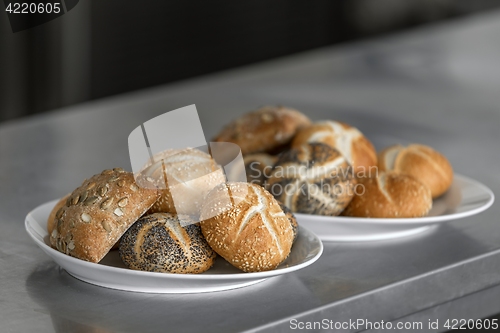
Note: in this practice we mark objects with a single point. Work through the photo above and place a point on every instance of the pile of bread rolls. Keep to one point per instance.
(179, 212)
(330, 168)
(179, 228)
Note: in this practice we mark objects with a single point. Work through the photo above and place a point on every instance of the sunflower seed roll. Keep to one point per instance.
(97, 213)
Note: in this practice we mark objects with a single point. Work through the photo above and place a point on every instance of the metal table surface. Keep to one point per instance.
(435, 85)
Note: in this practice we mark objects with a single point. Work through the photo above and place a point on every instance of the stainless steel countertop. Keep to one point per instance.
(436, 85)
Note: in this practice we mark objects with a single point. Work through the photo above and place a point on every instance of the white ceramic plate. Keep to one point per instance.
(111, 272)
(465, 197)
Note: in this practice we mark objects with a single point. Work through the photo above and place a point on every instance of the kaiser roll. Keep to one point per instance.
(264, 130)
(422, 162)
(246, 226)
(351, 143)
(158, 243)
(390, 195)
(184, 178)
(313, 179)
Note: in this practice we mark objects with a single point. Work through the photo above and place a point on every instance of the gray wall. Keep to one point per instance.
(102, 48)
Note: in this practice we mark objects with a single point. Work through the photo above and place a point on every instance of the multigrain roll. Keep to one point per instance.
(52, 220)
(390, 195)
(351, 143)
(422, 162)
(184, 178)
(313, 179)
(258, 167)
(158, 243)
(97, 214)
(267, 129)
(246, 226)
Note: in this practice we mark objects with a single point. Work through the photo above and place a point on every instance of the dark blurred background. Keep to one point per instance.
(102, 48)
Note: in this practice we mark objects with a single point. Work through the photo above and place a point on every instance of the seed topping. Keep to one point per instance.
(107, 203)
(106, 226)
(83, 196)
(118, 212)
(75, 199)
(91, 200)
(102, 190)
(86, 218)
(123, 202)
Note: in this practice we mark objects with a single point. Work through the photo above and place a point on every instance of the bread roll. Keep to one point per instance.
(97, 214)
(158, 243)
(52, 217)
(190, 175)
(246, 226)
(422, 162)
(313, 179)
(258, 167)
(351, 143)
(390, 195)
(264, 130)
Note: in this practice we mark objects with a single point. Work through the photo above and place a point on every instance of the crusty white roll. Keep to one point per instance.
(98, 213)
(265, 130)
(246, 226)
(313, 179)
(422, 162)
(184, 177)
(158, 243)
(389, 195)
(351, 143)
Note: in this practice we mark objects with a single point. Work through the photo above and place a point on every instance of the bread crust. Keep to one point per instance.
(97, 213)
(263, 130)
(390, 195)
(422, 162)
(51, 221)
(292, 219)
(246, 226)
(351, 143)
(313, 179)
(190, 175)
(158, 243)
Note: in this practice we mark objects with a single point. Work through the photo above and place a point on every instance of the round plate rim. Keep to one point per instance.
(205, 276)
(406, 221)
